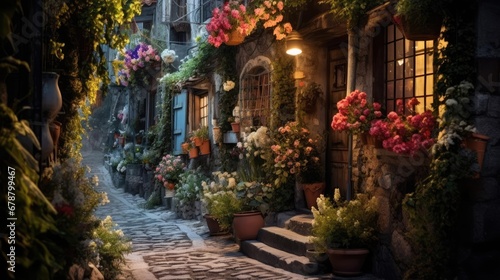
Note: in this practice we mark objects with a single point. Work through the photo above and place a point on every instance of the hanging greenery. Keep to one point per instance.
(82, 62)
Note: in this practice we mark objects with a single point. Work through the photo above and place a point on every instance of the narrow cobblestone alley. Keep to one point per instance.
(168, 248)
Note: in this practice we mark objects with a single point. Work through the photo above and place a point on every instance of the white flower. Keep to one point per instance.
(228, 85)
(168, 56)
(450, 102)
(337, 196)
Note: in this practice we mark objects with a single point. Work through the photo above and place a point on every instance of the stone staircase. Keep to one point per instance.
(285, 245)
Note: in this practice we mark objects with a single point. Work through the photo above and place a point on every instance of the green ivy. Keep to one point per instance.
(283, 95)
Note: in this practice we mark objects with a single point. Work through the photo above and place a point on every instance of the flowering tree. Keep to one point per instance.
(405, 134)
(355, 113)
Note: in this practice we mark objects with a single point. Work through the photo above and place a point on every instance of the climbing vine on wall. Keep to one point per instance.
(283, 95)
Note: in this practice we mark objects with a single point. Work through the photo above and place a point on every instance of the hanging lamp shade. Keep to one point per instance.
(294, 43)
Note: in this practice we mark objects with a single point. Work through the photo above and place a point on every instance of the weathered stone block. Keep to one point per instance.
(494, 107)
(385, 217)
(480, 102)
(401, 249)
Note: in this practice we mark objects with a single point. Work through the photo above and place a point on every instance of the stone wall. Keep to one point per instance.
(389, 177)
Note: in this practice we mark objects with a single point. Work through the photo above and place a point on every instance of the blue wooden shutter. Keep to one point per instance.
(179, 121)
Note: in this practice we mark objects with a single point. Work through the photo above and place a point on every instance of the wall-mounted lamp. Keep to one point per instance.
(294, 43)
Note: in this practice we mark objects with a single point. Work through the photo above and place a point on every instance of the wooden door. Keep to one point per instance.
(336, 157)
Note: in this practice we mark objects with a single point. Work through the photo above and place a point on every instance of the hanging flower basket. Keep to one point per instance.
(477, 143)
(430, 30)
(235, 38)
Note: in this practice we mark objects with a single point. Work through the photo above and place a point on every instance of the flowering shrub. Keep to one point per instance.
(405, 134)
(169, 169)
(339, 224)
(109, 245)
(232, 17)
(254, 152)
(189, 189)
(355, 113)
(295, 152)
(271, 15)
(138, 65)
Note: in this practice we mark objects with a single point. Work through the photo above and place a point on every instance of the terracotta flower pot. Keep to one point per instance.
(312, 192)
(197, 141)
(477, 143)
(246, 225)
(185, 147)
(213, 225)
(193, 152)
(236, 127)
(235, 38)
(347, 262)
(205, 147)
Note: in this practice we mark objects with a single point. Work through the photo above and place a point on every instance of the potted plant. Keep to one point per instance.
(419, 20)
(235, 124)
(169, 170)
(346, 230)
(230, 24)
(220, 201)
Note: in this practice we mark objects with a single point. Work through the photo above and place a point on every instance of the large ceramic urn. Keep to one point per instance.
(51, 96)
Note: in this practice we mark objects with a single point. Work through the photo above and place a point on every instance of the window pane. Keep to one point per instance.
(390, 33)
(429, 65)
(399, 49)
(390, 90)
(409, 88)
(419, 64)
(390, 51)
(399, 68)
(429, 85)
(399, 89)
(409, 67)
(408, 48)
(390, 71)
(419, 86)
(421, 106)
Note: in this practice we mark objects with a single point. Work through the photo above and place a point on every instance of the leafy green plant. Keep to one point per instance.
(220, 198)
(353, 11)
(344, 224)
(189, 189)
(111, 245)
(419, 12)
(201, 132)
(37, 253)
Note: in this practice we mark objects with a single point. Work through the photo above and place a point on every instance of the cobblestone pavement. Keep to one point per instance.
(168, 248)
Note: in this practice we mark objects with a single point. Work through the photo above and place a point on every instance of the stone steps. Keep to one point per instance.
(285, 246)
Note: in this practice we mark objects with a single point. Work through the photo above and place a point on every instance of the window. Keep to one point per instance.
(203, 110)
(409, 70)
(207, 6)
(255, 97)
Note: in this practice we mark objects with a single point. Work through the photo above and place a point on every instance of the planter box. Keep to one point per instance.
(134, 178)
(230, 138)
